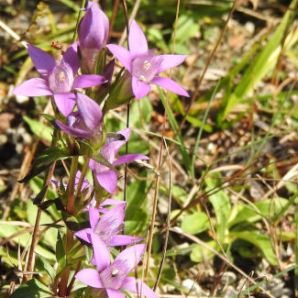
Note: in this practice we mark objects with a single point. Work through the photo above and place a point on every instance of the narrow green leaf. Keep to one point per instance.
(264, 62)
(39, 129)
(173, 122)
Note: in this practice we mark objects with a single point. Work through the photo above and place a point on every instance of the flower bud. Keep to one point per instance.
(93, 35)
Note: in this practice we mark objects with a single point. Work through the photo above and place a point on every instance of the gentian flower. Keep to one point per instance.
(93, 35)
(108, 226)
(107, 177)
(113, 277)
(86, 122)
(144, 66)
(58, 78)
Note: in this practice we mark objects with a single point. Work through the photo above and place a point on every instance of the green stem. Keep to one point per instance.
(70, 192)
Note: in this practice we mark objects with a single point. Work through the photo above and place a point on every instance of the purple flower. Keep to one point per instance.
(58, 78)
(59, 184)
(144, 65)
(113, 277)
(86, 122)
(108, 226)
(107, 177)
(93, 35)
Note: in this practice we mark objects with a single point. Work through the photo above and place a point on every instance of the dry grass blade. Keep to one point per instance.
(168, 223)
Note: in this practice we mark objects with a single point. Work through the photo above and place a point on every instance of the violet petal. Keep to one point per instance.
(127, 158)
(64, 102)
(131, 256)
(33, 87)
(84, 234)
(137, 40)
(89, 111)
(100, 252)
(76, 132)
(93, 216)
(120, 240)
(121, 54)
(139, 88)
(89, 277)
(113, 219)
(138, 287)
(43, 62)
(169, 61)
(124, 132)
(170, 85)
(71, 57)
(114, 293)
(107, 180)
(86, 81)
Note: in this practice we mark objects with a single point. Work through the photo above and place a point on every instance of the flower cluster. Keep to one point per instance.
(89, 64)
(104, 233)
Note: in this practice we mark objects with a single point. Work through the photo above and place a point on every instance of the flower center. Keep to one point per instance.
(115, 272)
(112, 277)
(61, 78)
(106, 228)
(145, 67)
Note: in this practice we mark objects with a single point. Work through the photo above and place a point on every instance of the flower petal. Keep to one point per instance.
(131, 256)
(139, 88)
(100, 252)
(43, 62)
(127, 158)
(33, 87)
(84, 234)
(107, 180)
(138, 287)
(76, 132)
(120, 240)
(71, 57)
(125, 133)
(93, 216)
(113, 219)
(114, 293)
(89, 277)
(170, 85)
(169, 61)
(137, 40)
(89, 111)
(114, 143)
(86, 81)
(121, 54)
(64, 102)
